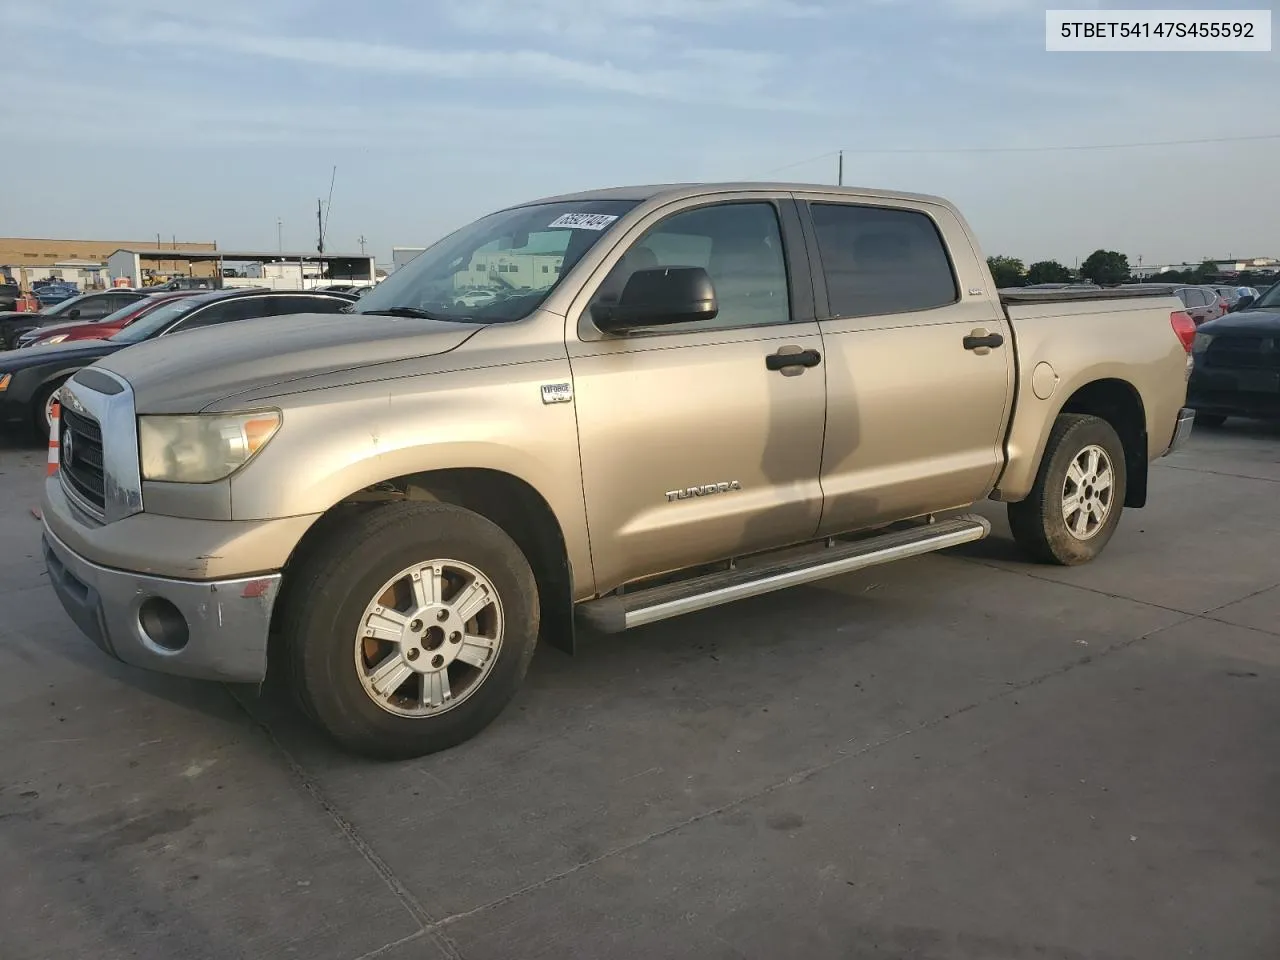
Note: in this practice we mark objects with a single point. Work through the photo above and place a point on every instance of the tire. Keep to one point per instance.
(1041, 524)
(40, 425)
(1210, 420)
(336, 634)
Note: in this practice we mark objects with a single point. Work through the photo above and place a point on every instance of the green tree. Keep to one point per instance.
(1205, 273)
(1105, 267)
(1007, 271)
(1048, 271)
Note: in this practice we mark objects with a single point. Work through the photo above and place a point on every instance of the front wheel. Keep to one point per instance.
(408, 628)
(1075, 505)
(42, 411)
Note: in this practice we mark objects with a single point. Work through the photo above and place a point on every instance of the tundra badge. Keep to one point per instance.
(705, 490)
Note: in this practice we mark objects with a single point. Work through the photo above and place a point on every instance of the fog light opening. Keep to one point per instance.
(163, 625)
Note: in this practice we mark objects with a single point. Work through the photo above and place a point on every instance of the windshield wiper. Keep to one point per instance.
(404, 312)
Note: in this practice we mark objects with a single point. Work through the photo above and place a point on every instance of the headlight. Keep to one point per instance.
(52, 340)
(1201, 343)
(202, 449)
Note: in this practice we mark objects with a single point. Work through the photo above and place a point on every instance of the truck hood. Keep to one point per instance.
(1249, 322)
(186, 372)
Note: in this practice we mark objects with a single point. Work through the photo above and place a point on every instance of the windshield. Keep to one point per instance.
(500, 268)
(154, 320)
(1269, 299)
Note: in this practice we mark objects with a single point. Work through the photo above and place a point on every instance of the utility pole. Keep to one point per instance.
(279, 235)
(840, 170)
(362, 241)
(320, 235)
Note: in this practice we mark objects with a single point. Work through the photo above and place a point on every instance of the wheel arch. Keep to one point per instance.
(1111, 398)
(1118, 403)
(512, 503)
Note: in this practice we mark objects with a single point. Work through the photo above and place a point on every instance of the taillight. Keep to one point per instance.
(1184, 327)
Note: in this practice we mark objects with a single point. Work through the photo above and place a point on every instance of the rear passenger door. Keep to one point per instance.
(919, 361)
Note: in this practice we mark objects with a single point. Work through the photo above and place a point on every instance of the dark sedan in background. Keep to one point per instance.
(87, 306)
(1236, 364)
(29, 377)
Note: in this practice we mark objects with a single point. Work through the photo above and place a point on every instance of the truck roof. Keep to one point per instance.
(676, 191)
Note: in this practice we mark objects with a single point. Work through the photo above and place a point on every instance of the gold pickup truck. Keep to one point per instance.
(611, 408)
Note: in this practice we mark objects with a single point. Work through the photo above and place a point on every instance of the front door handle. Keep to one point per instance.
(983, 341)
(792, 357)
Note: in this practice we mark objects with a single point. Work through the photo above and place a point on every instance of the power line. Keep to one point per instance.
(1045, 149)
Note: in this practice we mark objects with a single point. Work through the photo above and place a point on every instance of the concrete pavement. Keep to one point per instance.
(960, 757)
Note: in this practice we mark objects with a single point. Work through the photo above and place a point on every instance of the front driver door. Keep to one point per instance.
(693, 448)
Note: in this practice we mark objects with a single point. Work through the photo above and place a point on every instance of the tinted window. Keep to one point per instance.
(879, 261)
(237, 308)
(286, 306)
(740, 247)
(1193, 298)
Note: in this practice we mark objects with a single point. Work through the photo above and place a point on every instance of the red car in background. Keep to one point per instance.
(98, 329)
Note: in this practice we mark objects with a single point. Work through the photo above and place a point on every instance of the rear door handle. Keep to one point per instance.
(978, 341)
(792, 357)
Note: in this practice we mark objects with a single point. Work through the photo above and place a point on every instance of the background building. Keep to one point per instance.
(81, 262)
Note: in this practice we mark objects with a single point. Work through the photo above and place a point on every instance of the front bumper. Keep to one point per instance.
(205, 629)
(1182, 429)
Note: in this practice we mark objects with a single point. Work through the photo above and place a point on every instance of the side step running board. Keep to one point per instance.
(614, 614)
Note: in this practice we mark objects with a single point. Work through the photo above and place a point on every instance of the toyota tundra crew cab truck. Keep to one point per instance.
(612, 407)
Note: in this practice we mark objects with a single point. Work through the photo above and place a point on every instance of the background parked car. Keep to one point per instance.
(84, 307)
(9, 295)
(28, 378)
(50, 293)
(1236, 364)
(1202, 303)
(97, 329)
(185, 283)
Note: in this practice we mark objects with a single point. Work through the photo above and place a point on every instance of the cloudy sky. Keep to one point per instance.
(211, 118)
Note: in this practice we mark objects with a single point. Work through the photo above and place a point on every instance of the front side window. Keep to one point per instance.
(487, 272)
(740, 247)
(878, 260)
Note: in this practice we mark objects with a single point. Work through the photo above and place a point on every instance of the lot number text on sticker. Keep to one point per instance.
(583, 221)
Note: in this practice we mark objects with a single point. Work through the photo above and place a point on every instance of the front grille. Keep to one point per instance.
(1243, 353)
(82, 473)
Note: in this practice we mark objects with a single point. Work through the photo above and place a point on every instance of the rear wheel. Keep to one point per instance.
(409, 628)
(1210, 420)
(1075, 505)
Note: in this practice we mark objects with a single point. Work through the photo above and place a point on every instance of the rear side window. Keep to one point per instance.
(881, 261)
(287, 306)
(236, 308)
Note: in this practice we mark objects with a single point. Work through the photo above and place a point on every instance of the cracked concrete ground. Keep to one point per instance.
(960, 757)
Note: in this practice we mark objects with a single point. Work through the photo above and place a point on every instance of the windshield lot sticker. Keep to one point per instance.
(583, 221)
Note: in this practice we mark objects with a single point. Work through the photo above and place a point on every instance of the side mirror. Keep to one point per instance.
(660, 296)
(1242, 304)
(73, 313)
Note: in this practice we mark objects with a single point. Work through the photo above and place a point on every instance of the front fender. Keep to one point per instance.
(336, 442)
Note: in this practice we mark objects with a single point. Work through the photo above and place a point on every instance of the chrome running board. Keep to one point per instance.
(614, 614)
